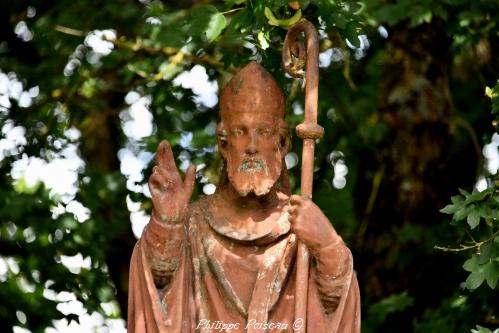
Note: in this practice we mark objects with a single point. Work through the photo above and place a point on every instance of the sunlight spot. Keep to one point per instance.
(14, 139)
(13, 265)
(80, 212)
(291, 160)
(75, 263)
(93, 322)
(111, 309)
(4, 269)
(31, 12)
(340, 169)
(209, 189)
(211, 128)
(297, 108)
(71, 307)
(132, 97)
(65, 296)
(139, 220)
(382, 31)
(132, 205)
(339, 183)
(325, 58)
(491, 153)
(185, 139)
(18, 329)
(137, 120)
(21, 316)
(197, 80)
(481, 184)
(153, 21)
(22, 31)
(72, 134)
(29, 235)
(132, 166)
(49, 294)
(24, 100)
(100, 41)
(24, 285)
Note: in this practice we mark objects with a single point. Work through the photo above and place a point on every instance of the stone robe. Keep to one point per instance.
(216, 279)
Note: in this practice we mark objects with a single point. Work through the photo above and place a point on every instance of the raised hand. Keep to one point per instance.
(310, 224)
(170, 195)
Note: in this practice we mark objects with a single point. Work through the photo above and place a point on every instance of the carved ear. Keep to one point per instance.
(284, 137)
(222, 138)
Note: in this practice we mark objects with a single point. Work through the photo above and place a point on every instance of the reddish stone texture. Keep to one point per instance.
(227, 263)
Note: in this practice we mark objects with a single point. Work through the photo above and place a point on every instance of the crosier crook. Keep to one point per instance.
(294, 57)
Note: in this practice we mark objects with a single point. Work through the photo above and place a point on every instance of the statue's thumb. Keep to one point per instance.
(190, 178)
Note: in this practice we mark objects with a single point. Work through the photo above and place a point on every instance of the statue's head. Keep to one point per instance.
(253, 137)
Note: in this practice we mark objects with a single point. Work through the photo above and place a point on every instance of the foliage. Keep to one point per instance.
(480, 211)
(474, 207)
(401, 100)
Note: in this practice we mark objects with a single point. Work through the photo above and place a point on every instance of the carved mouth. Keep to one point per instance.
(253, 165)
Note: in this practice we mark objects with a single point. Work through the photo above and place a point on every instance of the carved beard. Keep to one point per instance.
(254, 174)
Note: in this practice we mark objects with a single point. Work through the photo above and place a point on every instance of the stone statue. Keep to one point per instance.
(226, 263)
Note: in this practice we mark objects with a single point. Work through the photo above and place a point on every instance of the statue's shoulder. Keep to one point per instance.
(200, 209)
(199, 214)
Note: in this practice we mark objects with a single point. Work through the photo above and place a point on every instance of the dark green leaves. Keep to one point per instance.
(483, 267)
(473, 206)
(393, 304)
(493, 94)
(481, 329)
(206, 22)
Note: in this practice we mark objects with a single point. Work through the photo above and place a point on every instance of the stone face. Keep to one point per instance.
(228, 261)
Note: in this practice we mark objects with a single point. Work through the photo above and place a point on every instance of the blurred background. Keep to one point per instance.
(406, 172)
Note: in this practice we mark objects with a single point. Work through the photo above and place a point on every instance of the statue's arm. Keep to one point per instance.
(334, 261)
(164, 244)
(164, 237)
(334, 271)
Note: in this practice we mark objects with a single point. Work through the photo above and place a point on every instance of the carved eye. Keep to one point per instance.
(264, 131)
(237, 132)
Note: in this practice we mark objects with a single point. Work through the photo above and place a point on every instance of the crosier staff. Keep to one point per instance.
(295, 56)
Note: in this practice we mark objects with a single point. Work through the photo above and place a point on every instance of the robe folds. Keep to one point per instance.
(213, 278)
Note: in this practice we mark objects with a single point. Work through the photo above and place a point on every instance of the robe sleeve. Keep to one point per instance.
(334, 273)
(333, 283)
(155, 259)
(163, 248)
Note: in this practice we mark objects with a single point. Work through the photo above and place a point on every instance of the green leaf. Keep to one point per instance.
(450, 209)
(464, 193)
(352, 35)
(479, 196)
(474, 218)
(491, 272)
(463, 212)
(304, 4)
(392, 304)
(206, 22)
(216, 26)
(485, 211)
(489, 251)
(338, 18)
(481, 329)
(475, 279)
(471, 264)
(457, 199)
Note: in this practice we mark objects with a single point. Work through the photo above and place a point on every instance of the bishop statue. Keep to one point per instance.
(227, 263)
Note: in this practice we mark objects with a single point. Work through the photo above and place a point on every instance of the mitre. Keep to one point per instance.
(254, 88)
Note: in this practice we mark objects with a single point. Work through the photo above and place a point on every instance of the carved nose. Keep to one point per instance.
(251, 148)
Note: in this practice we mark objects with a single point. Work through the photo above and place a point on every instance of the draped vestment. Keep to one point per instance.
(213, 277)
